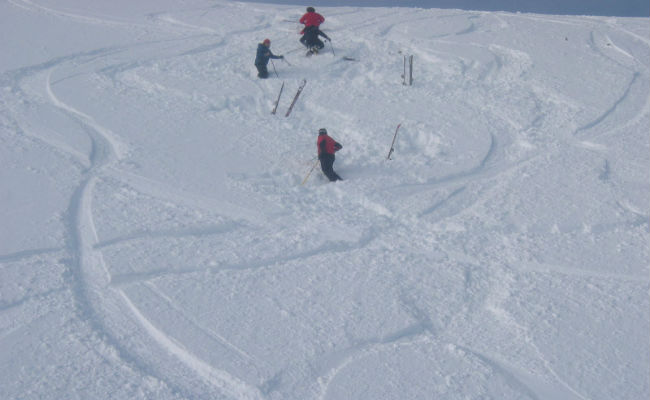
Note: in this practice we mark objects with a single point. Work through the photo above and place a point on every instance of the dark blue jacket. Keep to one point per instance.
(263, 55)
(310, 36)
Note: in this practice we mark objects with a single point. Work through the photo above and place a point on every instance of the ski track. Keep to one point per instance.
(510, 377)
(29, 298)
(92, 279)
(199, 231)
(580, 272)
(499, 293)
(207, 332)
(338, 361)
(484, 171)
(34, 7)
(27, 254)
(590, 125)
(87, 268)
(497, 72)
(327, 248)
(219, 378)
(164, 191)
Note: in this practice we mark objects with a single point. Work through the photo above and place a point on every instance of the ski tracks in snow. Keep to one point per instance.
(92, 278)
(95, 296)
(489, 71)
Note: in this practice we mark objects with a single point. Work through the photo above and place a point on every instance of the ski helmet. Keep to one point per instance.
(322, 131)
(266, 42)
(311, 9)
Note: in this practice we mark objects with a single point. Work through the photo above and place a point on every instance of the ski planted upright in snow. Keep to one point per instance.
(408, 79)
(295, 98)
(390, 152)
(275, 107)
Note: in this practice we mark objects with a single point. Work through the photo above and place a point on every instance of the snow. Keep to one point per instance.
(156, 240)
(621, 8)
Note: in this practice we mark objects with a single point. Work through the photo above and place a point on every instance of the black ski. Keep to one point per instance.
(275, 107)
(295, 98)
(393, 143)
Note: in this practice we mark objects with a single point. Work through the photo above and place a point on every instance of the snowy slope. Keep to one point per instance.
(620, 8)
(156, 241)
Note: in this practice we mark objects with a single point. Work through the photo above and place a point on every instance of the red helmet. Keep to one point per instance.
(266, 42)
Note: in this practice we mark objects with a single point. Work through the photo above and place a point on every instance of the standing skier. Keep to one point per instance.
(262, 58)
(326, 149)
(310, 33)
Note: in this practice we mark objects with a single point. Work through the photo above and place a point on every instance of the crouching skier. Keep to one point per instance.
(262, 58)
(326, 149)
(311, 41)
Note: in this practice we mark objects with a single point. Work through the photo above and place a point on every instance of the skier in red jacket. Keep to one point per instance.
(310, 33)
(311, 18)
(326, 149)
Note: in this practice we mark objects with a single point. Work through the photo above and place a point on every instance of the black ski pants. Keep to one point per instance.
(262, 72)
(310, 38)
(312, 43)
(327, 165)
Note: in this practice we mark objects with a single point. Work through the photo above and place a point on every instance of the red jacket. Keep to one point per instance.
(327, 144)
(312, 19)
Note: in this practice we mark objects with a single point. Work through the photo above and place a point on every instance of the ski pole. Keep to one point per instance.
(309, 173)
(332, 47)
(294, 50)
(276, 72)
(288, 63)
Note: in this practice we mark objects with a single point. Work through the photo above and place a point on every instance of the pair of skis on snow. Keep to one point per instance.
(295, 98)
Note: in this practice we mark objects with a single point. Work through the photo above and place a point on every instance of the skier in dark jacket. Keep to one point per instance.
(326, 149)
(262, 58)
(310, 39)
